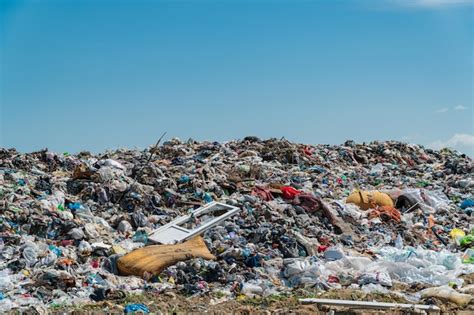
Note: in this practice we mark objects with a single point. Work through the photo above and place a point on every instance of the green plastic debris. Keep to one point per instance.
(422, 183)
(14, 209)
(467, 241)
(468, 256)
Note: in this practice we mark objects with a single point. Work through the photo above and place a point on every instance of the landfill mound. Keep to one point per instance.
(381, 218)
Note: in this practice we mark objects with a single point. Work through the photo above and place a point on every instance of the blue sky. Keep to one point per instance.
(97, 75)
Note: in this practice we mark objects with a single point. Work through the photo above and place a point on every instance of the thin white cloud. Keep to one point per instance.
(431, 3)
(442, 110)
(437, 3)
(460, 141)
(412, 137)
(460, 108)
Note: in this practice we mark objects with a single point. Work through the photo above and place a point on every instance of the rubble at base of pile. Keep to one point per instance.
(65, 220)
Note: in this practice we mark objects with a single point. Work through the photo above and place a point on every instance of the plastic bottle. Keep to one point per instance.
(207, 198)
(140, 237)
(399, 242)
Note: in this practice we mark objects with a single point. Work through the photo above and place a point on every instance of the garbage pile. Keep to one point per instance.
(361, 216)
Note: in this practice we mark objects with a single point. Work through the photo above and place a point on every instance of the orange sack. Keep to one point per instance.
(155, 258)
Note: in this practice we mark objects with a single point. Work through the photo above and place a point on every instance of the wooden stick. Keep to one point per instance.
(141, 169)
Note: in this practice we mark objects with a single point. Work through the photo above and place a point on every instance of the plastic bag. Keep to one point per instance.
(6, 305)
(251, 289)
(30, 254)
(6, 281)
(428, 201)
(376, 170)
(468, 256)
(448, 293)
(302, 272)
(413, 265)
(333, 253)
(84, 248)
(111, 163)
(382, 278)
(85, 214)
(350, 210)
(136, 308)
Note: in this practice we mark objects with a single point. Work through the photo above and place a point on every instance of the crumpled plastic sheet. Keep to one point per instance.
(409, 265)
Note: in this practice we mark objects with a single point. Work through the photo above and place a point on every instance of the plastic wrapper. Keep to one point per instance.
(302, 272)
(382, 278)
(428, 201)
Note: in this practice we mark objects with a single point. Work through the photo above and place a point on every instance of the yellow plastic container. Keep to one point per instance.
(369, 199)
(457, 234)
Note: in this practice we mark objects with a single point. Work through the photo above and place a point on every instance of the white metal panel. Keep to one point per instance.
(174, 232)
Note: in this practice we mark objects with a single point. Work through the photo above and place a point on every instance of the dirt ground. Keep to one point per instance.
(173, 303)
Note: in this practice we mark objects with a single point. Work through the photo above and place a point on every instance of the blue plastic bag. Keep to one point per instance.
(467, 203)
(132, 308)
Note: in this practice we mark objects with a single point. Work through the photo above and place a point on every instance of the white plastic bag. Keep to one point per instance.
(447, 293)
